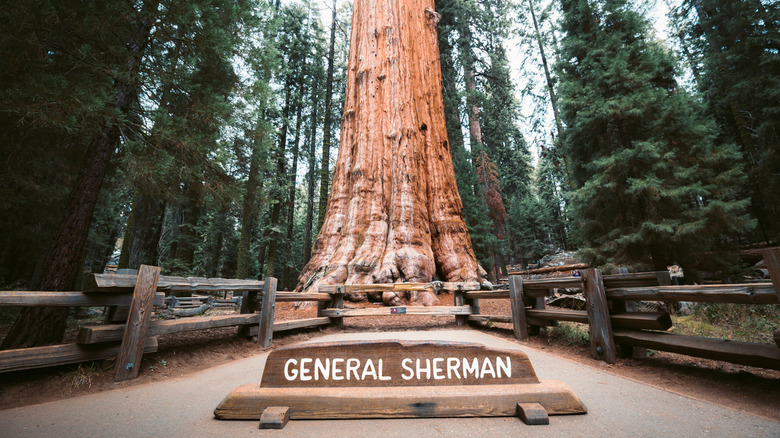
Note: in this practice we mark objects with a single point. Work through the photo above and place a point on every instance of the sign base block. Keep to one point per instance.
(247, 402)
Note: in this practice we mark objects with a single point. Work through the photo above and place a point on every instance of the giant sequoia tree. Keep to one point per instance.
(394, 212)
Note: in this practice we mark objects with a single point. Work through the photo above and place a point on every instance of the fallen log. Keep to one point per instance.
(549, 269)
(745, 353)
(191, 311)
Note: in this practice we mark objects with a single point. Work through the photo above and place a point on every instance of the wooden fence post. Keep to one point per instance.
(624, 350)
(129, 359)
(772, 259)
(518, 306)
(459, 300)
(602, 342)
(265, 332)
(538, 304)
(248, 305)
(338, 303)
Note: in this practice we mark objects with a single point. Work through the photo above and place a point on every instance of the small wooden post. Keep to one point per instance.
(265, 333)
(518, 307)
(624, 350)
(601, 341)
(772, 259)
(248, 305)
(129, 359)
(338, 303)
(460, 320)
(538, 304)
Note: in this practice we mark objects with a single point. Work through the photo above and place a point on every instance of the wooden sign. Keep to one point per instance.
(395, 363)
(395, 379)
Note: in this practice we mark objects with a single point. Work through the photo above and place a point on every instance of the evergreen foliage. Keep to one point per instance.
(654, 187)
(733, 48)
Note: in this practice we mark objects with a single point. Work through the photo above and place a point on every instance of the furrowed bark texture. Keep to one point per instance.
(394, 212)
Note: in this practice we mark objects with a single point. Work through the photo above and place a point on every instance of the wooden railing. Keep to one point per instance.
(129, 332)
(615, 325)
(617, 328)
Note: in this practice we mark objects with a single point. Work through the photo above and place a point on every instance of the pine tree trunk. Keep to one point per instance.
(288, 274)
(36, 326)
(326, 134)
(249, 211)
(281, 171)
(394, 212)
(450, 92)
(550, 88)
(188, 236)
(147, 218)
(212, 269)
(312, 164)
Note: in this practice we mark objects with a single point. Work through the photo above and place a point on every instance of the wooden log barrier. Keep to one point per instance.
(459, 300)
(601, 341)
(401, 310)
(248, 305)
(68, 299)
(129, 359)
(52, 355)
(518, 307)
(745, 353)
(395, 379)
(772, 259)
(265, 332)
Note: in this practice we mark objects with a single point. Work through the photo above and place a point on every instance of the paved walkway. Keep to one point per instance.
(183, 407)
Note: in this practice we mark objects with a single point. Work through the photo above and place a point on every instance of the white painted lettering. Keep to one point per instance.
(381, 377)
(452, 367)
(321, 369)
(407, 368)
(487, 368)
(506, 368)
(304, 370)
(352, 367)
(336, 372)
(427, 369)
(473, 368)
(437, 369)
(368, 370)
(290, 374)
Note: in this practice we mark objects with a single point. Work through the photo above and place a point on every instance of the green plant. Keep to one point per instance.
(571, 333)
(738, 322)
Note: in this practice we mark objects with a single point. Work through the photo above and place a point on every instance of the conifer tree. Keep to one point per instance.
(733, 48)
(653, 185)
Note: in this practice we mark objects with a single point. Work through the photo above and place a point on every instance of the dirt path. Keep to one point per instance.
(747, 389)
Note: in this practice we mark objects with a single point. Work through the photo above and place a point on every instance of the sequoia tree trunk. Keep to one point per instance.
(394, 213)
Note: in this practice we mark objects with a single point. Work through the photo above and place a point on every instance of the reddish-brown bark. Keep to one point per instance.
(394, 212)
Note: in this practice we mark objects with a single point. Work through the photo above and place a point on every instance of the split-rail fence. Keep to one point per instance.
(616, 326)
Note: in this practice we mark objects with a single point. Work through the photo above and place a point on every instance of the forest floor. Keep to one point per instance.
(747, 389)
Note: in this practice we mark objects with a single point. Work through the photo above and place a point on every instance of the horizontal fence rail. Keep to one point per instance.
(615, 325)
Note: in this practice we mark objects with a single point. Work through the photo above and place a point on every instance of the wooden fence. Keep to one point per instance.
(616, 327)
(129, 331)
